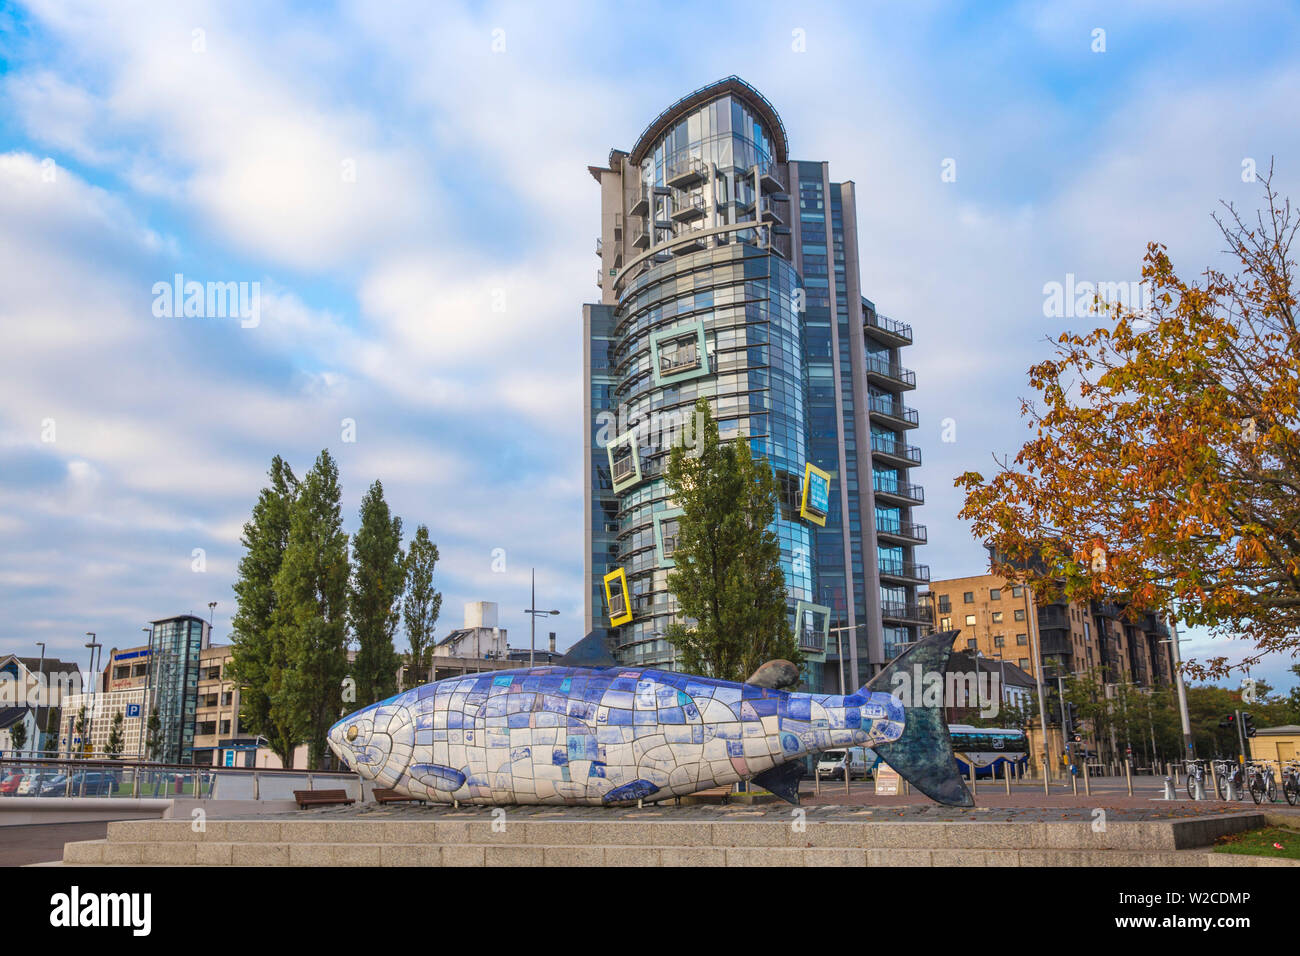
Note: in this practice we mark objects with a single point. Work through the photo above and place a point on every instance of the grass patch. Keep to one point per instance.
(1260, 843)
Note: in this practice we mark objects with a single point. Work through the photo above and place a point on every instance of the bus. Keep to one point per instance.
(988, 748)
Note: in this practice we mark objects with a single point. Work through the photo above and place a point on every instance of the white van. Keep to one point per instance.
(859, 760)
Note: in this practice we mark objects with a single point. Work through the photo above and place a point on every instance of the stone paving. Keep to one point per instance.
(912, 813)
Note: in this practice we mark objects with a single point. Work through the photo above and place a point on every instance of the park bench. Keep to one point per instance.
(320, 798)
(383, 795)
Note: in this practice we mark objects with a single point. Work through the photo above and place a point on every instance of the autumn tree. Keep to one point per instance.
(727, 580)
(1164, 469)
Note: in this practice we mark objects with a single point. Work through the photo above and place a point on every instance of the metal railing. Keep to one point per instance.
(882, 405)
(885, 324)
(904, 569)
(892, 446)
(108, 779)
(882, 366)
(901, 529)
(900, 489)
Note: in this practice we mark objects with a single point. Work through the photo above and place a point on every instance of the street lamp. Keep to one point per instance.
(1178, 683)
(94, 646)
(839, 648)
(533, 612)
(40, 672)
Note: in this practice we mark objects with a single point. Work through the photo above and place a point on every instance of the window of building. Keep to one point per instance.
(1019, 614)
(970, 620)
(995, 594)
(970, 645)
(1017, 591)
(999, 640)
(1022, 639)
(945, 624)
(997, 617)
(225, 726)
(1023, 663)
(945, 603)
(968, 597)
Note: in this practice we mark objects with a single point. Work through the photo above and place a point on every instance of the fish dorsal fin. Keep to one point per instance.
(775, 675)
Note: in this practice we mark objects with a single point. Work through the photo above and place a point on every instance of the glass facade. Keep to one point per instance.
(725, 274)
(176, 644)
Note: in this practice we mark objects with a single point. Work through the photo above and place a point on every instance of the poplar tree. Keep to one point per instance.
(260, 657)
(310, 617)
(728, 579)
(422, 603)
(374, 598)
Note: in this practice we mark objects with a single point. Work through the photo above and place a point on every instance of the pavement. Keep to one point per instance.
(43, 843)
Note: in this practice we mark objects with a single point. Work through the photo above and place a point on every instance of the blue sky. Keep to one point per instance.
(388, 177)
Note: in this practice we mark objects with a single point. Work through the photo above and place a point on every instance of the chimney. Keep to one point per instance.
(552, 642)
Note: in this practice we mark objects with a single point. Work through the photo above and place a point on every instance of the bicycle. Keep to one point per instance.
(1195, 772)
(1261, 782)
(1291, 781)
(1229, 772)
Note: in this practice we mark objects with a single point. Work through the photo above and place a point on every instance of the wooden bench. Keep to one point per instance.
(392, 796)
(320, 798)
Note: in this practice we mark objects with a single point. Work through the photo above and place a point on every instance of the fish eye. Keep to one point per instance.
(352, 733)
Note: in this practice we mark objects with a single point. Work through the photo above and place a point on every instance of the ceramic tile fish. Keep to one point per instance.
(572, 735)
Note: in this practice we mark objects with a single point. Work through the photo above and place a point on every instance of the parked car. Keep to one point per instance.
(833, 764)
(31, 784)
(97, 783)
(9, 786)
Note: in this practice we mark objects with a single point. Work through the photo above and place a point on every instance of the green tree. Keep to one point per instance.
(153, 735)
(422, 603)
(727, 581)
(310, 616)
(116, 739)
(260, 657)
(19, 736)
(374, 598)
(80, 728)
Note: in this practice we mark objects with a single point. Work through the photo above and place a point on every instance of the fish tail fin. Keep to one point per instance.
(923, 756)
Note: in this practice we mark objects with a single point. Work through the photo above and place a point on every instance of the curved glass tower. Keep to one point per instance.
(729, 271)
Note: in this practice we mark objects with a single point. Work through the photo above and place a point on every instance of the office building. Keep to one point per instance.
(729, 269)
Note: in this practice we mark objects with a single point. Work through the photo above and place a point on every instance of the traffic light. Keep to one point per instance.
(1228, 723)
(1248, 724)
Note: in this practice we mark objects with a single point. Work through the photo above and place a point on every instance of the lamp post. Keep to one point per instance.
(1182, 688)
(94, 646)
(532, 613)
(40, 671)
(839, 648)
(144, 696)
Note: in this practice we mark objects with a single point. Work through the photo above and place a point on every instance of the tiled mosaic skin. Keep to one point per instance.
(569, 735)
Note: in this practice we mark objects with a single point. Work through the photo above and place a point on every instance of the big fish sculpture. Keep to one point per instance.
(573, 735)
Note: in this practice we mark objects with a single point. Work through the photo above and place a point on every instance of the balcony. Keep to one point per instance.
(902, 531)
(899, 492)
(890, 411)
(890, 330)
(770, 178)
(685, 171)
(624, 467)
(600, 248)
(906, 613)
(882, 371)
(894, 452)
(906, 571)
(767, 211)
(640, 201)
(687, 207)
(640, 238)
(680, 359)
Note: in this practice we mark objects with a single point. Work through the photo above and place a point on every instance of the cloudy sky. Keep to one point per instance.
(406, 183)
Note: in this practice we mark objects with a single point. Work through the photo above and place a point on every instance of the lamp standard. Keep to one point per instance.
(1178, 683)
(94, 646)
(40, 673)
(144, 696)
(839, 648)
(532, 613)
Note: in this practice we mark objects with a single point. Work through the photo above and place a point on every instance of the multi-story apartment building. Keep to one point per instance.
(1076, 637)
(729, 270)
